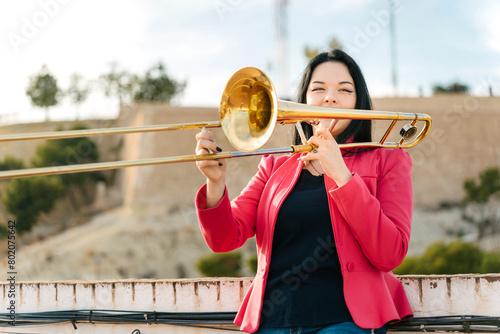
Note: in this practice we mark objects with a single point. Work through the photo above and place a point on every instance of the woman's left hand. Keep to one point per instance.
(328, 153)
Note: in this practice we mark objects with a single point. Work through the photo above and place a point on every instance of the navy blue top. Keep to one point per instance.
(304, 285)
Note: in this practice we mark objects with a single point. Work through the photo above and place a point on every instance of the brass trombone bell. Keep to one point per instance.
(249, 111)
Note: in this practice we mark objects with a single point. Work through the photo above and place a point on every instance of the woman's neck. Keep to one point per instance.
(314, 167)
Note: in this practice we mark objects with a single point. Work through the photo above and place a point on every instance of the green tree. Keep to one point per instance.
(119, 83)
(453, 87)
(27, 198)
(157, 86)
(490, 263)
(11, 163)
(457, 257)
(220, 265)
(311, 52)
(478, 196)
(252, 263)
(70, 151)
(4, 232)
(43, 90)
(78, 91)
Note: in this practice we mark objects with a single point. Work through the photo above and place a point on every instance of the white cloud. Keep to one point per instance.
(206, 88)
(487, 17)
(337, 5)
(191, 46)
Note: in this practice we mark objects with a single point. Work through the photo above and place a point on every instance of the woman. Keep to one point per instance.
(330, 225)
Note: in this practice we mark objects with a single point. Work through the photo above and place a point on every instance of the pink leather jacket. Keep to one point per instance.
(371, 219)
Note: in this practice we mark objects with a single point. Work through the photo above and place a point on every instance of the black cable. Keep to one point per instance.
(199, 319)
(461, 323)
(224, 320)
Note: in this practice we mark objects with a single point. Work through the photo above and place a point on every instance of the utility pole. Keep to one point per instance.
(281, 40)
(392, 27)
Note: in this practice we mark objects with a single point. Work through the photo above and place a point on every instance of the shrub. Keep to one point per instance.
(491, 263)
(4, 232)
(252, 263)
(220, 265)
(453, 87)
(69, 151)
(481, 201)
(457, 257)
(27, 198)
(11, 163)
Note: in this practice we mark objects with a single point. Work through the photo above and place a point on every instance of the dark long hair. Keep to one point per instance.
(359, 130)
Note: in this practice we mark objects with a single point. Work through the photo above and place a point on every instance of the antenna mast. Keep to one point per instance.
(281, 61)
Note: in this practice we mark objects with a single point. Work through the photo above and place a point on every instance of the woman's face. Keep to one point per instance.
(332, 86)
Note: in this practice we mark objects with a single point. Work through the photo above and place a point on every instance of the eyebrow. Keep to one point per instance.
(340, 83)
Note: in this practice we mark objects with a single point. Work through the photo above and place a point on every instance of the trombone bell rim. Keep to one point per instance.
(248, 109)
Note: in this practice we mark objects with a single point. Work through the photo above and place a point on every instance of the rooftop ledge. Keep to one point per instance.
(448, 296)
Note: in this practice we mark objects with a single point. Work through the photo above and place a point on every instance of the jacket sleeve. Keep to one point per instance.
(228, 225)
(381, 223)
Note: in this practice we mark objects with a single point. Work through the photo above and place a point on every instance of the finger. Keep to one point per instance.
(205, 135)
(208, 145)
(312, 155)
(308, 157)
(210, 163)
(315, 140)
(324, 133)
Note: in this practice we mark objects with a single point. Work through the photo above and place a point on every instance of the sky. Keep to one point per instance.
(203, 42)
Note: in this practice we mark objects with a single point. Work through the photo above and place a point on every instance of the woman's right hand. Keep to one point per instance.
(214, 170)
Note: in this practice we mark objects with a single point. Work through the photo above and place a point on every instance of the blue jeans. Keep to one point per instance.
(343, 327)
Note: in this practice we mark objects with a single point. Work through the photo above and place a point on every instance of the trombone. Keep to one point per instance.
(249, 111)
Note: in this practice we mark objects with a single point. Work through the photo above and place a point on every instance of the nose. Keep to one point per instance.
(330, 98)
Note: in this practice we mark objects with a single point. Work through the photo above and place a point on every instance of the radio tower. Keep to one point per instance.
(281, 60)
(394, 65)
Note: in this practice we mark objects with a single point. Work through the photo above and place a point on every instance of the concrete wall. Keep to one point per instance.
(429, 296)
